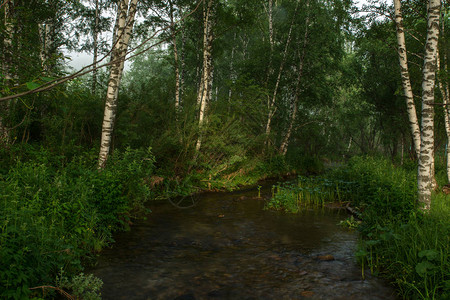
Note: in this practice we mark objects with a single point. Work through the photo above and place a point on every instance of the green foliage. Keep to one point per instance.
(401, 243)
(379, 188)
(305, 193)
(52, 218)
(81, 286)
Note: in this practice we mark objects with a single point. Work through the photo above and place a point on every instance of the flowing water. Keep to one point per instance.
(228, 247)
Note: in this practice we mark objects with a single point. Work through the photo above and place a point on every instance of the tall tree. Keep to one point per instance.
(126, 11)
(425, 168)
(204, 91)
(6, 67)
(301, 62)
(406, 82)
(271, 101)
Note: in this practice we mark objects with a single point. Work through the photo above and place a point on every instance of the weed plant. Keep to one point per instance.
(51, 219)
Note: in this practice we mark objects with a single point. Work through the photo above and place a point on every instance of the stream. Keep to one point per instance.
(228, 247)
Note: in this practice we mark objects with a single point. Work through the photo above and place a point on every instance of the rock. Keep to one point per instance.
(307, 294)
(327, 257)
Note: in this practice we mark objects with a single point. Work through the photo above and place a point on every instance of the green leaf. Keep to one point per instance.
(47, 79)
(424, 267)
(32, 85)
(429, 254)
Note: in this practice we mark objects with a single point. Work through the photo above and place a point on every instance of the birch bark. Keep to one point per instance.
(126, 13)
(6, 68)
(204, 92)
(285, 143)
(425, 176)
(406, 82)
(175, 54)
(95, 46)
(271, 102)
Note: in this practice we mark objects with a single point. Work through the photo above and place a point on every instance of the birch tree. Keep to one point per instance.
(126, 11)
(425, 168)
(272, 100)
(6, 66)
(204, 91)
(406, 82)
(301, 62)
(95, 45)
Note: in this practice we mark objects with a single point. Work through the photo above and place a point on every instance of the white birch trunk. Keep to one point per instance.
(406, 82)
(271, 102)
(425, 169)
(285, 143)
(6, 69)
(175, 54)
(204, 92)
(95, 46)
(125, 28)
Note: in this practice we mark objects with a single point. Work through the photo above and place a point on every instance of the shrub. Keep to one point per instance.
(52, 218)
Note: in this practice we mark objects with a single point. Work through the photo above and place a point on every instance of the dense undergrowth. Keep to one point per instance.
(57, 212)
(398, 241)
(54, 214)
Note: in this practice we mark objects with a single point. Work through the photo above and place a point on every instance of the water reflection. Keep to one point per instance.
(228, 247)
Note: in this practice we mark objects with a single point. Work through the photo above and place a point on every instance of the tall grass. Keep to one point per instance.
(307, 192)
(400, 242)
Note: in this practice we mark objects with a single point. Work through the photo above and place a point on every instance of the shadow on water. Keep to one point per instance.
(228, 247)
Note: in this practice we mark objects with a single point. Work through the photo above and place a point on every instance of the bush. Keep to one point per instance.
(50, 219)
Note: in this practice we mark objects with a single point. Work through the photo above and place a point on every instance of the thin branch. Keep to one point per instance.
(61, 291)
(85, 70)
(4, 2)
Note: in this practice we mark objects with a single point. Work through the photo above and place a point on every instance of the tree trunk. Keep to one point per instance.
(232, 73)
(425, 176)
(175, 54)
(95, 46)
(406, 82)
(271, 102)
(6, 69)
(126, 15)
(204, 92)
(285, 143)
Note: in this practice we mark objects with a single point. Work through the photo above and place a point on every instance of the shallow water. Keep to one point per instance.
(228, 247)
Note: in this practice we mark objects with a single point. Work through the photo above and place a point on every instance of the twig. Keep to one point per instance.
(61, 291)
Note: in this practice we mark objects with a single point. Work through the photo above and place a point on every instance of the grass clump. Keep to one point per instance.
(306, 192)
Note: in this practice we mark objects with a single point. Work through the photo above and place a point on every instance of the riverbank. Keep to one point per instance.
(399, 242)
(56, 212)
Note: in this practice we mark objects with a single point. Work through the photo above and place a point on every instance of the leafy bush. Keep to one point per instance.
(50, 219)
